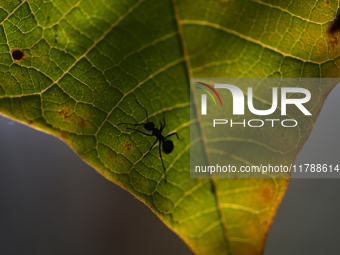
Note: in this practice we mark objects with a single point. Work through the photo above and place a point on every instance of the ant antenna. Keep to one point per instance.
(146, 113)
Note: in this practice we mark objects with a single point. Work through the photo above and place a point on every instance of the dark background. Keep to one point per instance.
(51, 202)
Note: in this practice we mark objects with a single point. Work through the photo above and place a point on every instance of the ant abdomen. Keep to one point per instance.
(168, 146)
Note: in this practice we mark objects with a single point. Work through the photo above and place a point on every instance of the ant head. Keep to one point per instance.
(149, 126)
(168, 146)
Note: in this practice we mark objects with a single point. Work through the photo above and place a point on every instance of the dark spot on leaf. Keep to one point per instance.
(30, 122)
(95, 91)
(65, 113)
(82, 123)
(335, 26)
(64, 135)
(328, 3)
(266, 193)
(265, 222)
(17, 54)
(334, 41)
(212, 189)
(127, 146)
(111, 156)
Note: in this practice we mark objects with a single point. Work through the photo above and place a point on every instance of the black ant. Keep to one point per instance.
(168, 145)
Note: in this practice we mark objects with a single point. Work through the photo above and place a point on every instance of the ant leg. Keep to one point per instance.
(151, 148)
(147, 117)
(162, 126)
(139, 131)
(171, 135)
(160, 154)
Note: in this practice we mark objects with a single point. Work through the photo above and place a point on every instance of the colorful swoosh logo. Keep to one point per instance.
(208, 92)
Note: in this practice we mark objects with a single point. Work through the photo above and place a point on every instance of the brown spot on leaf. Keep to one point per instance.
(127, 146)
(266, 193)
(82, 123)
(17, 54)
(64, 135)
(334, 41)
(65, 113)
(111, 156)
(30, 122)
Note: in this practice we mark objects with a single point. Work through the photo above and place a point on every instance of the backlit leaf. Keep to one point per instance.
(80, 66)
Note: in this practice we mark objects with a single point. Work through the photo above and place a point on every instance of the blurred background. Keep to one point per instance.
(51, 202)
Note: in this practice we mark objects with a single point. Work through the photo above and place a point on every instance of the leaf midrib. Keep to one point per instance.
(190, 74)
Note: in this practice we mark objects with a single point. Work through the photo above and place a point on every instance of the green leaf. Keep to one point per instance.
(85, 63)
